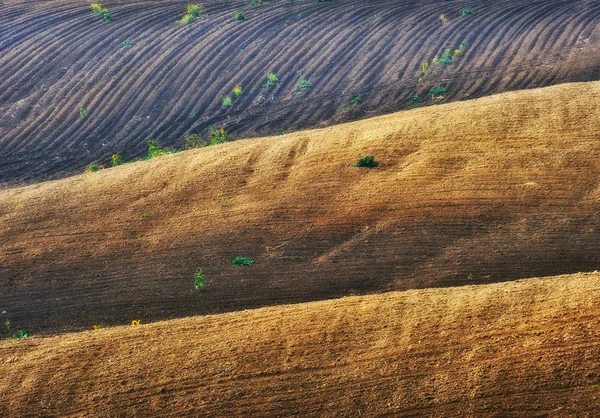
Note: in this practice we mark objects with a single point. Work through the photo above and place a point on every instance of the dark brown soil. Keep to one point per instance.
(57, 55)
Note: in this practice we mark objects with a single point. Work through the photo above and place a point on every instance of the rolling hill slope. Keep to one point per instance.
(503, 187)
(56, 56)
(524, 348)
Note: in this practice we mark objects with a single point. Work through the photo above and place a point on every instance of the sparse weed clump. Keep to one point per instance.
(127, 42)
(466, 12)
(254, 3)
(367, 161)
(217, 136)
(414, 99)
(191, 14)
(101, 11)
(242, 261)
(154, 150)
(302, 85)
(83, 113)
(437, 91)
(446, 58)
(272, 79)
(192, 141)
(239, 16)
(92, 167)
(199, 279)
(227, 102)
(237, 90)
(21, 333)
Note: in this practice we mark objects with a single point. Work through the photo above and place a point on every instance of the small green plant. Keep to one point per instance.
(446, 58)
(224, 200)
(470, 277)
(199, 279)
(217, 136)
(464, 45)
(437, 91)
(272, 79)
(193, 114)
(239, 16)
(127, 42)
(21, 333)
(367, 161)
(356, 100)
(280, 133)
(115, 160)
(154, 150)
(242, 261)
(7, 325)
(237, 90)
(191, 14)
(302, 85)
(414, 99)
(145, 216)
(92, 167)
(227, 101)
(466, 12)
(192, 141)
(83, 112)
(254, 3)
(101, 11)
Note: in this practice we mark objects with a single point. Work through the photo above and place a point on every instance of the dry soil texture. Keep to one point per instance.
(57, 55)
(503, 187)
(526, 348)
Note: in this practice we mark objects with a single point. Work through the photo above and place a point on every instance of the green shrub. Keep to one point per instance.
(21, 333)
(255, 3)
(101, 11)
(437, 91)
(367, 161)
(470, 277)
(227, 101)
(302, 85)
(237, 90)
(242, 261)
(239, 16)
(415, 99)
(82, 112)
(127, 42)
(356, 100)
(92, 167)
(446, 58)
(199, 279)
(466, 11)
(154, 150)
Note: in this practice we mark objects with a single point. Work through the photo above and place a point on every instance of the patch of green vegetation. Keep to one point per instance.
(414, 99)
(83, 113)
(254, 3)
(302, 85)
(7, 325)
(217, 136)
(154, 150)
(471, 277)
(101, 11)
(199, 279)
(356, 100)
(92, 167)
(272, 79)
(21, 333)
(239, 16)
(367, 161)
(237, 90)
(127, 42)
(227, 101)
(437, 91)
(145, 216)
(466, 12)
(242, 261)
(280, 133)
(446, 58)
(192, 141)
(191, 14)
(115, 160)
(464, 45)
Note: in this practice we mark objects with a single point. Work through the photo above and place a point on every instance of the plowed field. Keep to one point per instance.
(56, 56)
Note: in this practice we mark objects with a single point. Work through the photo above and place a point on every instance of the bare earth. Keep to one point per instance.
(524, 348)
